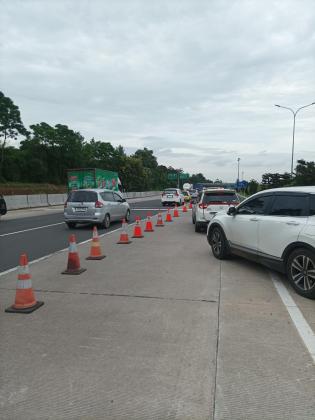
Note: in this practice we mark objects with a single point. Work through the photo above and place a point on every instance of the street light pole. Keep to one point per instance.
(238, 171)
(293, 134)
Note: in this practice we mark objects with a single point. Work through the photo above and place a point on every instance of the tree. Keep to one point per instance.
(305, 173)
(10, 124)
(147, 157)
(252, 187)
(275, 180)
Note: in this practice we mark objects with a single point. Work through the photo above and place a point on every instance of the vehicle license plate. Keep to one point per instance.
(80, 209)
(169, 196)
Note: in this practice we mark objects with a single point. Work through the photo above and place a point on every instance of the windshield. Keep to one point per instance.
(220, 198)
(82, 197)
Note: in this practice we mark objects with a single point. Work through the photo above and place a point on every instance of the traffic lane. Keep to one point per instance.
(45, 236)
(19, 224)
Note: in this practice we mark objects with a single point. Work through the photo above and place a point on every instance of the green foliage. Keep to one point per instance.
(10, 125)
(304, 173)
(252, 187)
(276, 180)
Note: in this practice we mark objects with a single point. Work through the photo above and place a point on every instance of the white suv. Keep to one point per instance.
(172, 196)
(275, 227)
(212, 201)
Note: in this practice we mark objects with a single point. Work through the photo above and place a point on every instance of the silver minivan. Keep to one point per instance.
(97, 206)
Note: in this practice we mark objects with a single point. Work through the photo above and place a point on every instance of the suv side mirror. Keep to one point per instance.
(232, 211)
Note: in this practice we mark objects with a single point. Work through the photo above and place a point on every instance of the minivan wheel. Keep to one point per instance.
(198, 227)
(301, 272)
(127, 217)
(218, 243)
(71, 225)
(106, 221)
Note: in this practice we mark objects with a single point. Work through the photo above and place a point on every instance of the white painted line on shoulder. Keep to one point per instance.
(302, 326)
(30, 229)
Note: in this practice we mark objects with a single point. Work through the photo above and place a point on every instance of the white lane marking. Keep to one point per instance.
(28, 230)
(140, 208)
(302, 326)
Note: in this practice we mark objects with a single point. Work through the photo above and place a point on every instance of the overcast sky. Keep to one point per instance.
(196, 81)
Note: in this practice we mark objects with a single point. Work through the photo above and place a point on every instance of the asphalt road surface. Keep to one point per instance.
(42, 235)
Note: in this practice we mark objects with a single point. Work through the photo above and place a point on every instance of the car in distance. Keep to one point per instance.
(212, 200)
(172, 196)
(274, 227)
(3, 206)
(97, 206)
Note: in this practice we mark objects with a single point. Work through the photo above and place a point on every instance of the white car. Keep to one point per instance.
(275, 227)
(212, 201)
(172, 196)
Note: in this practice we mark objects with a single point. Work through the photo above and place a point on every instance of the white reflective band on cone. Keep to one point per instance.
(24, 284)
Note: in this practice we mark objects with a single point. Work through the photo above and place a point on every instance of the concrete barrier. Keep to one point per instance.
(56, 199)
(15, 202)
(37, 200)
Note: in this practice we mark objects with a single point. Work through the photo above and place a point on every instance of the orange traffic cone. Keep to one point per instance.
(25, 301)
(168, 216)
(190, 205)
(176, 213)
(159, 222)
(124, 239)
(137, 232)
(95, 251)
(73, 258)
(184, 208)
(149, 226)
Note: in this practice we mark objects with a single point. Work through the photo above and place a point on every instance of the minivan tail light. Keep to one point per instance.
(177, 194)
(203, 206)
(98, 204)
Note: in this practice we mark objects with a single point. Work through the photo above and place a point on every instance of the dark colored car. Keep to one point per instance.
(3, 206)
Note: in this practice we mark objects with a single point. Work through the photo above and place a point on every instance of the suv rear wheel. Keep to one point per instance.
(301, 272)
(71, 225)
(218, 243)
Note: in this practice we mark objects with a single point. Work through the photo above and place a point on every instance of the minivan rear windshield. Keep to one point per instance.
(82, 197)
(219, 198)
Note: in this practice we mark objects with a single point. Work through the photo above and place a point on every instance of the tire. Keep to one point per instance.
(106, 222)
(198, 227)
(218, 243)
(127, 217)
(193, 220)
(300, 268)
(71, 225)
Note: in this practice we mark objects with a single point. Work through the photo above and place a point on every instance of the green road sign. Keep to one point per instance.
(184, 176)
(172, 177)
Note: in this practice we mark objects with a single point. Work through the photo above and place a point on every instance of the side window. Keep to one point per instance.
(117, 197)
(290, 205)
(312, 205)
(258, 205)
(107, 196)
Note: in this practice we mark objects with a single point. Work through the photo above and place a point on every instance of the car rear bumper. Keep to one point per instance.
(98, 218)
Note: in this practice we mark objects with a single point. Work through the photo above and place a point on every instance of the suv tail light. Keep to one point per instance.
(163, 194)
(203, 206)
(177, 194)
(98, 204)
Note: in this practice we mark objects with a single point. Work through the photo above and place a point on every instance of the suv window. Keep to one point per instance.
(107, 196)
(258, 205)
(170, 191)
(82, 196)
(219, 198)
(312, 205)
(290, 205)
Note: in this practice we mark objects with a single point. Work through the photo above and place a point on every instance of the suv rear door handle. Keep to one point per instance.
(254, 219)
(293, 223)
